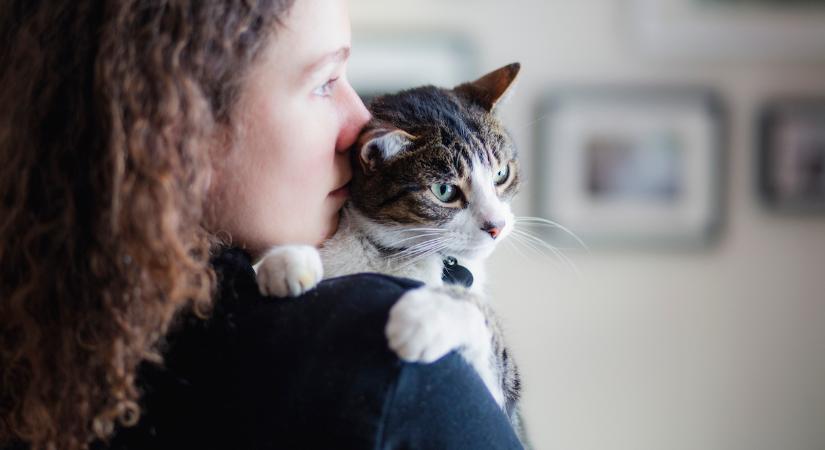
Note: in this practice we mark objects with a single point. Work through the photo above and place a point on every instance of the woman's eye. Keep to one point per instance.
(502, 175)
(325, 90)
(445, 192)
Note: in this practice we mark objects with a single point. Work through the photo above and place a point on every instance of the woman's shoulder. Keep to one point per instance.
(237, 282)
(264, 370)
(352, 307)
(321, 359)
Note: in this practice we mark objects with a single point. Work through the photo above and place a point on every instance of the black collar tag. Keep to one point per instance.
(454, 273)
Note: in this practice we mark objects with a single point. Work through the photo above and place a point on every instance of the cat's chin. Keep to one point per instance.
(474, 253)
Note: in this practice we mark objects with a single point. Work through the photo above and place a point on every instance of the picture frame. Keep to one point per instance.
(392, 60)
(791, 155)
(728, 29)
(632, 165)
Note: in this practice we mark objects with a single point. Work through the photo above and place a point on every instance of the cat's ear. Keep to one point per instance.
(382, 144)
(489, 90)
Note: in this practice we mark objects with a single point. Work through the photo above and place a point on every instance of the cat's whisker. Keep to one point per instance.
(527, 237)
(420, 257)
(537, 250)
(409, 256)
(420, 232)
(512, 243)
(429, 248)
(420, 247)
(540, 242)
(426, 245)
(400, 229)
(528, 231)
(440, 230)
(425, 242)
(415, 237)
(518, 239)
(540, 221)
(424, 254)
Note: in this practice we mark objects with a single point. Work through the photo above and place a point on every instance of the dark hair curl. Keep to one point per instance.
(106, 108)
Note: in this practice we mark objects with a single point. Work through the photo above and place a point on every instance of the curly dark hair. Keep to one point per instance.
(106, 112)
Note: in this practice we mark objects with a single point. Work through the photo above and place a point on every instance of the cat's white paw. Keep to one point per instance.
(426, 324)
(289, 270)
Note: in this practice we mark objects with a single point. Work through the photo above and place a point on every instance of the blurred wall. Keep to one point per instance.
(720, 348)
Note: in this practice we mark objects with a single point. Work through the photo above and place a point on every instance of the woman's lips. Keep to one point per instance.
(342, 191)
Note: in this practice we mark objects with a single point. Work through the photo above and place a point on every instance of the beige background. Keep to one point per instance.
(720, 348)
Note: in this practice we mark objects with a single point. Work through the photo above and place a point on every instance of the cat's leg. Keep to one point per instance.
(503, 369)
(289, 270)
(503, 366)
(428, 322)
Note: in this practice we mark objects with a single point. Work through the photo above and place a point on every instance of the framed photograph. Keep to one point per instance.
(792, 155)
(639, 166)
(388, 61)
(729, 29)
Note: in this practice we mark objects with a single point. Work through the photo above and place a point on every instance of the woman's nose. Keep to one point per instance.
(354, 116)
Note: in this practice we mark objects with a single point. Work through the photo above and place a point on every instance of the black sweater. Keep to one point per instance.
(306, 373)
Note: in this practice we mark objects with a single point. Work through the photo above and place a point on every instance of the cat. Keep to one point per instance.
(434, 172)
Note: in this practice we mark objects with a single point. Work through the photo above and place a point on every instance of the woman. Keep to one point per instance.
(138, 140)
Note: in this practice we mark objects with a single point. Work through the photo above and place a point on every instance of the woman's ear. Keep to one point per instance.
(380, 145)
(489, 90)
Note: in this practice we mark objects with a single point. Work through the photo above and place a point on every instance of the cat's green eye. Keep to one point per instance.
(502, 175)
(445, 192)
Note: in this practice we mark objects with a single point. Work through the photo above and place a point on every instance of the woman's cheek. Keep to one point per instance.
(324, 136)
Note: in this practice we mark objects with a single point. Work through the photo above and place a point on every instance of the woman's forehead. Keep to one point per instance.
(315, 33)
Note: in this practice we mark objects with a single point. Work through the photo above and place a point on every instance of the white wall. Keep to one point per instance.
(716, 349)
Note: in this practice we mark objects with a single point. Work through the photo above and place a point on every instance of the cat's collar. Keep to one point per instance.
(455, 273)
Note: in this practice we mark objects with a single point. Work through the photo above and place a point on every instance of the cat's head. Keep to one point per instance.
(434, 158)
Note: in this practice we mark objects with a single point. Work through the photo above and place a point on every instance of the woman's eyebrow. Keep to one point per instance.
(334, 56)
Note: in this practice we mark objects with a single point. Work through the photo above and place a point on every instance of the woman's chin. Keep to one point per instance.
(331, 227)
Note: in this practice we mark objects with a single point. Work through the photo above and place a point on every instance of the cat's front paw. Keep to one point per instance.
(289, 270)
(426, 324)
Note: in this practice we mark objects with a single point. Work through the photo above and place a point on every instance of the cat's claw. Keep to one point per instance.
(289, 271)
(426, 324)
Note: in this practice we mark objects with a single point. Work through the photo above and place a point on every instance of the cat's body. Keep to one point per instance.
(352, 251)
(434, 173)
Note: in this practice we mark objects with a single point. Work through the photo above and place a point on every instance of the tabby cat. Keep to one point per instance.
(434, 172)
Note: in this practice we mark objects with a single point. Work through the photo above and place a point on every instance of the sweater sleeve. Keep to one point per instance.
(443, 405)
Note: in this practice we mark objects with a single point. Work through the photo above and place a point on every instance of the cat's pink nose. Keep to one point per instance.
(492, 228)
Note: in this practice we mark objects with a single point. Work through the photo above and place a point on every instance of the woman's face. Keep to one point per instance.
(282, 181)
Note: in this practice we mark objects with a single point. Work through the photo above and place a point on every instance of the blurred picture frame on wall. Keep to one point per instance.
(637, 166)
(392, 60)
(791, 155)
(774, 30)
